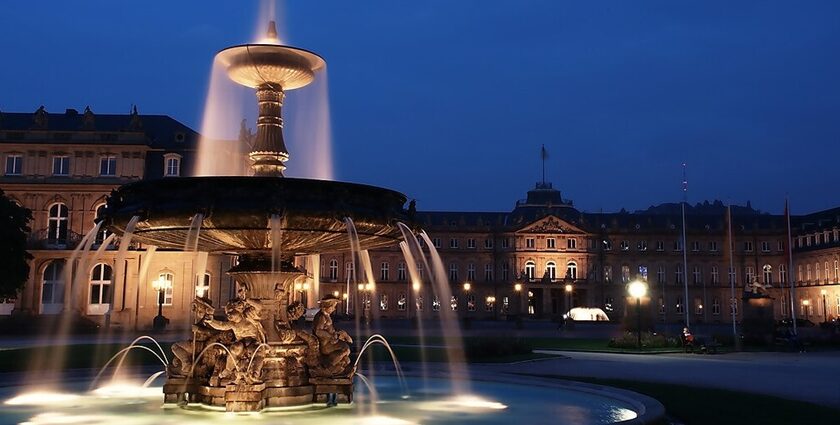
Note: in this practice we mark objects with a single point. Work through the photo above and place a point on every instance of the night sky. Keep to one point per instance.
(449, 101)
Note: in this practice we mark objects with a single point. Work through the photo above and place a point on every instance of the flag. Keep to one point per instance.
(543, 153)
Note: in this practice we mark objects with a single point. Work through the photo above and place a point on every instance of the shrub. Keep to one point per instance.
(483, 348)
(649, 340)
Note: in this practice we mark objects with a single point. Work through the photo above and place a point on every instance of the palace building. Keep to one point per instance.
(540, 259)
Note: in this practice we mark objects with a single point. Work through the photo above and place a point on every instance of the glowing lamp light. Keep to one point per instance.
(637, 289)
(416, 286)
(467, 286)
(305, 286)
(517, 287)
(806, 302)
(370, 286)
(823, 292)
(161, 284)
(568, 288)
(344, 296)
(335, 294)
(360, 286)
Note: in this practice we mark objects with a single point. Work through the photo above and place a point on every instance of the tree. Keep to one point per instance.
(14, 259)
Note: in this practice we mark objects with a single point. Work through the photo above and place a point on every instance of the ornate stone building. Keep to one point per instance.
(539, 259)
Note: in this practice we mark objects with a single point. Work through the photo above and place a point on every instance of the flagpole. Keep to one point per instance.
(686, 304)
(543, 155)
(731, 274)
(790, 267)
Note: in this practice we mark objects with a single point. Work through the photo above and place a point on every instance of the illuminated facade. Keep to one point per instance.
(62, 166)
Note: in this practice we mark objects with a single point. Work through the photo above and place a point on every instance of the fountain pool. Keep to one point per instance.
(503, 400)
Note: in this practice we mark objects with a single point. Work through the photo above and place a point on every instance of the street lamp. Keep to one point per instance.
(467, 287)
(805, 304)
(161, 285)
(823, 292)
(637, 290)
(569, 289)
(518, 288)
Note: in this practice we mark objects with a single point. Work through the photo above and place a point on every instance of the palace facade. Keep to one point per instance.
(539, 259)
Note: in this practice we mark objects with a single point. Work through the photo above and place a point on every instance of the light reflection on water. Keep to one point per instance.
(495, 403)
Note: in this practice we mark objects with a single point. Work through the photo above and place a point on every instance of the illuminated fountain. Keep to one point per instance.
(257, 359)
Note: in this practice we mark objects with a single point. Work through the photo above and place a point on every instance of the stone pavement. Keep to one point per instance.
(813, 377)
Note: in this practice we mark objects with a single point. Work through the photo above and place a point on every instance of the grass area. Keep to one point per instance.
(74, 357)
(693, 405)
(568, 344)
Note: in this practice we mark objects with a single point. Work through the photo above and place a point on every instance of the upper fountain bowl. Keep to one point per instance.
(255, 65)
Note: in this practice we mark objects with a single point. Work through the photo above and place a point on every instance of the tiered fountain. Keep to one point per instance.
(256, 358)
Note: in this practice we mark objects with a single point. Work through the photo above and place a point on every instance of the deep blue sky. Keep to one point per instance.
(449, 101)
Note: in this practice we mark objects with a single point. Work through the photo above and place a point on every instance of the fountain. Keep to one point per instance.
(257, 358)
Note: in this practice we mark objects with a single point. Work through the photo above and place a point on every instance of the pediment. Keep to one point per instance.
(551, 224)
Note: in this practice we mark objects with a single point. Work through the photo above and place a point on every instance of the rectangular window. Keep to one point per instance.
(695, 246)
(678, 245)
(641, 246)
(488, 272)
(108, 166)
(470, 302)
(780, 246)
(61, 165)
(401, 272)
(662, 308)
(679, 305)
(470, 243)
(384, 272)
(436, 242)
(697, 275)
(607, 245)
(716, 306)
(505, 243)
(571, 243)
(748, 246)
(505, 271)
(383, 302)
(765, 246)
(715, 275)
(14, 164)
(401, 302)
(713, 247)
(550, 243)
(607, 274)
(660, 245)
(488, 243)
(660, 274)
(453, 243)
(453, 272)
(529, 243)
(749, 275)
(698, 306)
(625, 274)
(471, 272)
(679, 274)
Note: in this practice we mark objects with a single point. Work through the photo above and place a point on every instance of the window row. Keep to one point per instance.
(107, 165)
(53, 284)
(696, 246)
(818, 238)
(469, 301)
(821, 271)
(696, 274)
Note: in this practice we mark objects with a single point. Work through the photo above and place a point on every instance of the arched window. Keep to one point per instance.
(100, 289)
(768, 274)
(333, 270)
(52, 288)
(57, 225)
(171, 165)
(202, 286)
(782, 273)
(530, 268)
(571, 270)
(551, 270)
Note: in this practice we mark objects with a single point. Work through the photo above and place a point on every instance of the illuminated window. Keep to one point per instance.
(401, 302)
(100, 284)
(435, 303)
(334, 270)
(202, 286)
(551, 243)
(767, 271)
(167, 294)
(571, 270)
(571, 243)
(530, 270)
(470, 302)
(529, 243)
(172, 165)
(383, 302)
(551, 270)
(52, 286)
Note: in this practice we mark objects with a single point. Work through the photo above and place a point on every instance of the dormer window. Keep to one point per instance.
(171, 165)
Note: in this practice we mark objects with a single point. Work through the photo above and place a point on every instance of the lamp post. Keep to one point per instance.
(823, 292)
(491, 301)
(416, 287)
(638, 289)
(569, 289)
(518, 288)
(467, 287)
(805, 304)
(160, 285)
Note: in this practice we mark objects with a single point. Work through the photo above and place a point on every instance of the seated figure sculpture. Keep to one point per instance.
(328, 355)
(184, 352)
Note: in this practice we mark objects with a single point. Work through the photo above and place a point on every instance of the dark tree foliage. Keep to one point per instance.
(14, 260)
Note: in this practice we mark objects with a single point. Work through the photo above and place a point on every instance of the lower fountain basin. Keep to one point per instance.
(237, 213)
(503, 401)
